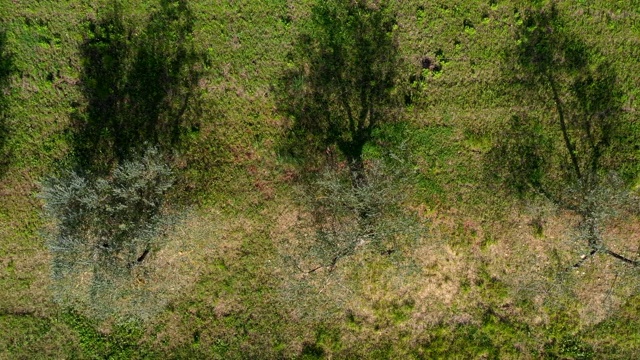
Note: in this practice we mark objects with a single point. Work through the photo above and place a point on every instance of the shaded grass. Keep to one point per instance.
(141, 85)
(6, 70)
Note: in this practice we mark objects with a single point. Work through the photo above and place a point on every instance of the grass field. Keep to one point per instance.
(484, 278)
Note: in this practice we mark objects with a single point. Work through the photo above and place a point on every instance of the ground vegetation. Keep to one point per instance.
(506, 228)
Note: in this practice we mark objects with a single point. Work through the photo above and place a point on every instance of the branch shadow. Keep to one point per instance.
(569, 124)
(340, 87)
(141, 87)
(7, 68)
(569, 136)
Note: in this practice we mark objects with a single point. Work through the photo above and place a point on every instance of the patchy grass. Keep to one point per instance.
(485, 280)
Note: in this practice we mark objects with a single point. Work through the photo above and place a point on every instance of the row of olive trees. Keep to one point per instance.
(564, 141)
(568, 140)
(343, 85)
(340, 90)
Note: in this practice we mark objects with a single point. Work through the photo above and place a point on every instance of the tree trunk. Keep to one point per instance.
(356, 167)
(352, 150)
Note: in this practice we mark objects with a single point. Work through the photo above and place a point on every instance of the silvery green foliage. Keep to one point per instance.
(345, 219)
(106, 227)
(598, 202)
(343, 232)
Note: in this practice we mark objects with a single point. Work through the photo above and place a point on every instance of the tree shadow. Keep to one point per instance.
(341, 87)
(141, 86)
(569, 135)
(6, 70)
(568, 126)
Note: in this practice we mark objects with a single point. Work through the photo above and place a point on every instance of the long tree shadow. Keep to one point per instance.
(569, 125)
(141, 87)
(341, 88)
(6, 69)
(569, 135)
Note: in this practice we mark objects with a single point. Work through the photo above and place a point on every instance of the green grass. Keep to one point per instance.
(121, 343)
(36, 337)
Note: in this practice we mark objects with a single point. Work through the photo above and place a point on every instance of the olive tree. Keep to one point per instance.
(105, 227)
(342, 85)
(332, 248)
(336, 228)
